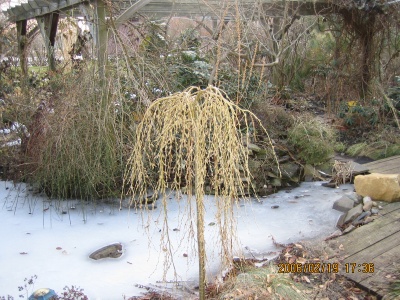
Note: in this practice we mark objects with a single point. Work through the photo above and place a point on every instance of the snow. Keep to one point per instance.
(34, 227)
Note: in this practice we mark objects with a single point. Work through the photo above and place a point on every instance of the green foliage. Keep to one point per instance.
(339, 147)
(394, 292)
(312, 140)
(359, 115)
(374, 150)
(314, 59)
(356, 149)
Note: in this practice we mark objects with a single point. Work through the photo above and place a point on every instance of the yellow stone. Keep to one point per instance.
(382, 187)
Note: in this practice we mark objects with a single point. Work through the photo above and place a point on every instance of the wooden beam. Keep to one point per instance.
(102, 37)
(22, 43)
(48, 28)
(127, 14)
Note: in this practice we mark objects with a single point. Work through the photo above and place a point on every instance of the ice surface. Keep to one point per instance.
(33, 228)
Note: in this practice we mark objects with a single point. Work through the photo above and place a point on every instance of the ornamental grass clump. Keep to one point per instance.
(312, 139)
(188, 139)
(75, 148)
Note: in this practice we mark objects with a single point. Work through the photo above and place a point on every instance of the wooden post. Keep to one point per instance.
(22, 44)
(102, 37)
(48, 28)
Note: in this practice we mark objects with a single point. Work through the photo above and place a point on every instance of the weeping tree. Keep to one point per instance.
(188, 139)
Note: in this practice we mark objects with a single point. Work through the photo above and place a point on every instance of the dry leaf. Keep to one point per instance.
(301, 260)
(299, 246)
(341, 247)
(306, 279)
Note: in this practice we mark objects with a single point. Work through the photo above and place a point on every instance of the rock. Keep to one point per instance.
(111, 251)
(340, 221)
(374, 211)
(343, 204)
(334, 234)
(368, 220)
(360, 218)
(309, 173)
(385, 187)
(284, 159)
(367, 199)
(353, 213)
(43, 294)
(256, 149)
(355, 197)
(367, 206)
(289, 170)
(359, 198)
(254, 166)
(348, 229)
(276, 182)
(330, 184)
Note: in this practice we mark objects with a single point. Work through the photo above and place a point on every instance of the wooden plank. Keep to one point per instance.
(377, 243)
(388, 169)
(382, 161)
(388, 249)
(387, 263)
(389, 208)
(386, 225)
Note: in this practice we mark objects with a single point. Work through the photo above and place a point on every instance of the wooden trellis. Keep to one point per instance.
(48, 12)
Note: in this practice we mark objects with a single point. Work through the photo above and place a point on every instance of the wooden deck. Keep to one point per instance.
(390, 165)
(376, 243)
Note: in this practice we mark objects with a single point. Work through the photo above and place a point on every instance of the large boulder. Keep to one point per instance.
(384, 187)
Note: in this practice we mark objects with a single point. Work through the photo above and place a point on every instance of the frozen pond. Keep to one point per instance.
(53, 240)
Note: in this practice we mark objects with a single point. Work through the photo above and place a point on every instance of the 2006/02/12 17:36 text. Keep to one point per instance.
(325, 267)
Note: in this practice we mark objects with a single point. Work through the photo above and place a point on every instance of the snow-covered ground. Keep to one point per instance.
(54, 239)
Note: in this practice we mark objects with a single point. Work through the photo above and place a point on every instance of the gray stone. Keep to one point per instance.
(334, 234)
(340, 221)
(355, 197)
(276, 182)
(343, 204)
(289, 170)
(111, 251)
(353, 213)
(374, 211)
(360, 218)
(348, 229)
(369, 219)
(256, 149)
(359, 198)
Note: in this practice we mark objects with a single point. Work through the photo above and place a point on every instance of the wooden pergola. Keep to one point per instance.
(48, 12)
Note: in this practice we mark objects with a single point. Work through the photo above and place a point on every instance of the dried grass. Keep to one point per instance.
(261, 283)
